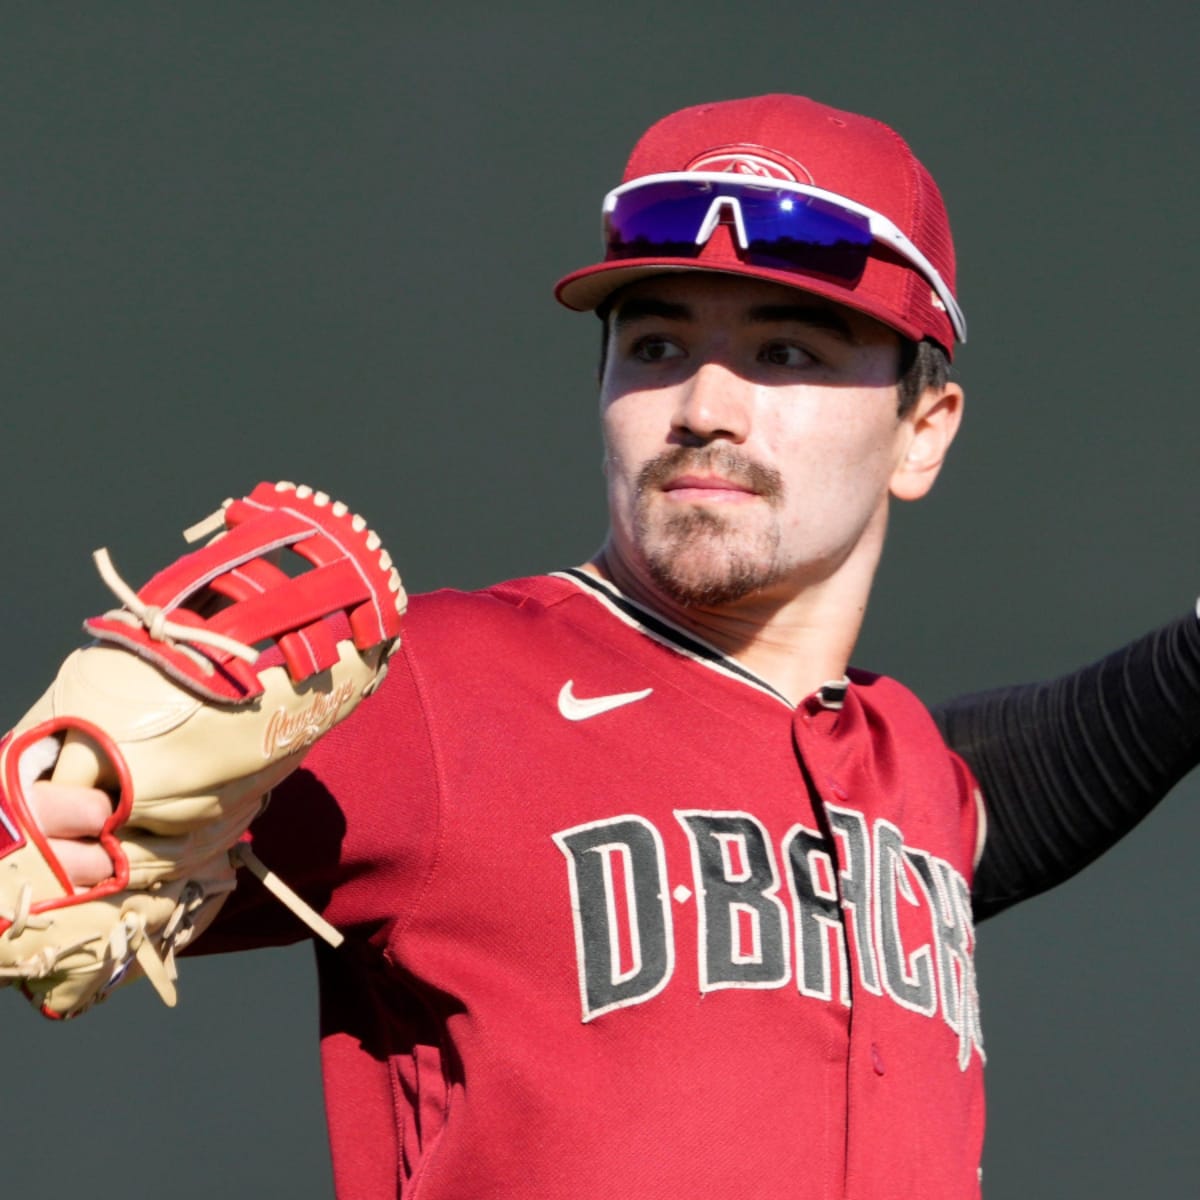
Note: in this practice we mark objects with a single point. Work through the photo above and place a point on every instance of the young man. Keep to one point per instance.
(646, 892)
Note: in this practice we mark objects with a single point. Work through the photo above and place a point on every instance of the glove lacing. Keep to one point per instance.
(20, 918)
(156, 623)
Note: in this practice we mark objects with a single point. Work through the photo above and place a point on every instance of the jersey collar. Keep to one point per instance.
(830, 695)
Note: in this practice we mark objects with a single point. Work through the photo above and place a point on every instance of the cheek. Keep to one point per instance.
(622, 461)
(838, 465)
(855, 432)
(613, 447)
(630, 434)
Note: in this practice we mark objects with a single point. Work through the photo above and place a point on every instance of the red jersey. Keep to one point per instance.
(621, 921)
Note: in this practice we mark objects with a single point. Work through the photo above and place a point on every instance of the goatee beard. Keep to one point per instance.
(698, 556)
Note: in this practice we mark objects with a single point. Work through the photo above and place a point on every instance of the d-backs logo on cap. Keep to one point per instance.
(747, 159)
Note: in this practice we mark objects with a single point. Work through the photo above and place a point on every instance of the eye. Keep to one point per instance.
(655, 349)
(785, 354)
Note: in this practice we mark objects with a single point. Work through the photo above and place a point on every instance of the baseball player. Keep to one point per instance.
(646, 891)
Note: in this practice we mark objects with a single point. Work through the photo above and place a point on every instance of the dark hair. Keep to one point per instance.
(922, 364)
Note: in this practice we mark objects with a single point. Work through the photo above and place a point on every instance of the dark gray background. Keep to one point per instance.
(316, 241)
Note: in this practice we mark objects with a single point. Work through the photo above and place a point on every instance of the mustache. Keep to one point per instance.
(719, 459)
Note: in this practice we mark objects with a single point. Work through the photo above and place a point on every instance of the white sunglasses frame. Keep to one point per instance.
(882, 229)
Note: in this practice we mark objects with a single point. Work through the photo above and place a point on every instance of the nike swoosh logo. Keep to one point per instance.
(576, 708)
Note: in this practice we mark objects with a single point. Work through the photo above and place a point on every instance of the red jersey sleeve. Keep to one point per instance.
(353, 831)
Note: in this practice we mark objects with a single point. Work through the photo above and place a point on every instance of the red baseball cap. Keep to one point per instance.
(797, 140)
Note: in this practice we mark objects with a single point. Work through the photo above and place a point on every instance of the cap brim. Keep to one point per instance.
(589, 287)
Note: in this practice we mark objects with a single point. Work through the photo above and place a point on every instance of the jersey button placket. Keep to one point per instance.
(813, 733)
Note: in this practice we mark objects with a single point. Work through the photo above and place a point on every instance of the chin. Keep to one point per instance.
(699, 581)
(701, 557)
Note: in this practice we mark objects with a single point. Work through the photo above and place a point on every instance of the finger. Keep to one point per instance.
(69, 812)
(81, 762)
(85, 863)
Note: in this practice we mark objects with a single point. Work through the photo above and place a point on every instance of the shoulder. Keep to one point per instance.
(456, 623)
(888, 699)
(902, 730)
(500, 603)
(905, 735)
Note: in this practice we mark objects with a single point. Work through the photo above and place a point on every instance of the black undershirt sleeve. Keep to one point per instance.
(1068, 767)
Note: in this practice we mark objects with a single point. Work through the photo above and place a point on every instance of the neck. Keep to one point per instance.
(794, 638)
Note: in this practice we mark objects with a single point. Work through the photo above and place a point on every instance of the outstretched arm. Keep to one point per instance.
(1069, 766)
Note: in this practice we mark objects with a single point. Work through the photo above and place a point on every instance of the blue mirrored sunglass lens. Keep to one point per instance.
(782, 216)
(785, 230)
(661, 219)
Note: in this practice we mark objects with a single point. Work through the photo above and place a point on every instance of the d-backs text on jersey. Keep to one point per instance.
(900, 914)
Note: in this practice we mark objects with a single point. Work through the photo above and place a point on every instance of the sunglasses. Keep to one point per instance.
(778, 225)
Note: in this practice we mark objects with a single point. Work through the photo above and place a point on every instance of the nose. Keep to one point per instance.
(713, 403)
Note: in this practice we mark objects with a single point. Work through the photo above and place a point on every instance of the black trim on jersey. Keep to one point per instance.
(665, 631)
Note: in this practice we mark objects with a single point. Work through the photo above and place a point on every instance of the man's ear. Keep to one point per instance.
(931, 426)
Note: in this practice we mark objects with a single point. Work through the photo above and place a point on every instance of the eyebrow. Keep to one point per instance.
(815, 316)
(640, 307)
(818, 316)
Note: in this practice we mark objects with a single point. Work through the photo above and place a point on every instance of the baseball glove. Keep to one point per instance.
(199, 694)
